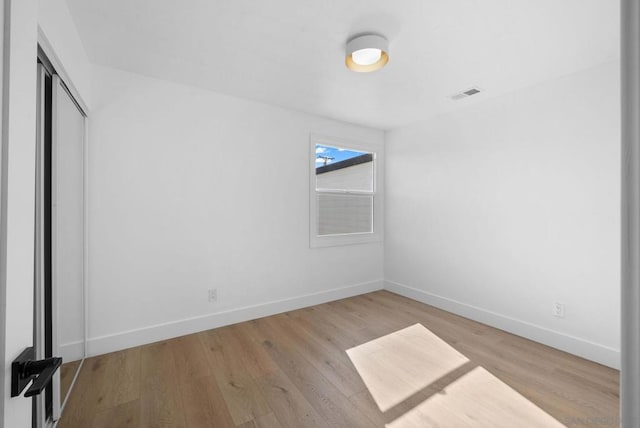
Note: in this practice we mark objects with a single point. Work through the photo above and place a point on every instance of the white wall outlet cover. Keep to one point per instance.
(558, 309)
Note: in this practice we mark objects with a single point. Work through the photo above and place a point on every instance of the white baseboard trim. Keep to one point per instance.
(128, 339)
(574, 345)
(72, 351)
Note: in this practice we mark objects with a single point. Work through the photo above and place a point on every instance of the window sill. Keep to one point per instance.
(342, 240)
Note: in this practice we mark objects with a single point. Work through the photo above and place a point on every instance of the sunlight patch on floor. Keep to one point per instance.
(407, 362)
(477, 399)
(400, 364)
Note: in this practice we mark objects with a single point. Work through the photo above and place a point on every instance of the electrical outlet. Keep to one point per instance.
(558, 310)
(213, 295)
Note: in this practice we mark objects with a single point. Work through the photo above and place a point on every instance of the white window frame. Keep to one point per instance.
(377, 148)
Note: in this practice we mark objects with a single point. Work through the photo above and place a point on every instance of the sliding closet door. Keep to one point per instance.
(68, 238)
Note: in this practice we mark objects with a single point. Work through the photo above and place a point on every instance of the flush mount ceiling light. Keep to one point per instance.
(367, 53)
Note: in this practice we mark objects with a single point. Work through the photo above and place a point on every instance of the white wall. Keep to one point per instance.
(19, 119)
(500, 209)
(192, 190)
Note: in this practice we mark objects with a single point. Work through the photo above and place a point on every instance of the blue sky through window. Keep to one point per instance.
(326, 155)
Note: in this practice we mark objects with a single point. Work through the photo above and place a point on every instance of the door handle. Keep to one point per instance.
(24, 369)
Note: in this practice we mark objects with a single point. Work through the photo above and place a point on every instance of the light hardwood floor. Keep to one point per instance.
(293, 370)
(67, 373)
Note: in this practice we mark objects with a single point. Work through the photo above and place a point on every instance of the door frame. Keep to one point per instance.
(52, 65)
(45, 48)
(630, 236)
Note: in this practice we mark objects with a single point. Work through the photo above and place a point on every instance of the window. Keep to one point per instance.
(345, 202)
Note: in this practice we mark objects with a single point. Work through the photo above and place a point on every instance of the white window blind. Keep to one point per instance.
(344, 213)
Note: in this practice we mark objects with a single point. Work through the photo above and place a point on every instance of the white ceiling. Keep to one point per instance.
(290, 53)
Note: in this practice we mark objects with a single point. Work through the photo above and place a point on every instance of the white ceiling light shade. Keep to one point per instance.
(367, 53)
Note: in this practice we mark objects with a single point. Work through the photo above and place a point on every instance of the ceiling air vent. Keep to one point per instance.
(465, 94)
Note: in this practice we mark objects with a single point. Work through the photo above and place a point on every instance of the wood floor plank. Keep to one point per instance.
(125, 415)
(349, 325)
(452, 328)
(328, 332)
(67, 373)
(332, 362)
(294, 370)
(288, 404)
(254, 357)
(380, 325)
(92, 387)
(336, 409)
(337, 326)
(204, 404)
(123, 371)
(365, 403)
(266, 421)
(160, 400)
(241, 394)
(190, 358)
